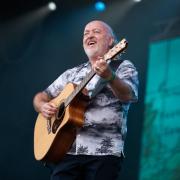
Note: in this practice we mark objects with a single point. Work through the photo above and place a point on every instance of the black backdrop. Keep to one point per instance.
(33, 52)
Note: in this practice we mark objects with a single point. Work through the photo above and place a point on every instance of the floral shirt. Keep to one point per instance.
(104, 129)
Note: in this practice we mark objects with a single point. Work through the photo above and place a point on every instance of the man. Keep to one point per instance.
(97, 151)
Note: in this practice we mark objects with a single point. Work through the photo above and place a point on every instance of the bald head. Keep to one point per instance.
(98, 38)
(105, 25)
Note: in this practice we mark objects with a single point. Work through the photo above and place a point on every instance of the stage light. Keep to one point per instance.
(137, 0)
(52, 6)
(100, 6)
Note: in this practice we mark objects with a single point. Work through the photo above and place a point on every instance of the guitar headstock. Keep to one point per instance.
(118, 48)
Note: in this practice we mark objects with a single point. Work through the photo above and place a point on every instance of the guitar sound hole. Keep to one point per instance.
(60, 112)
(59, 117)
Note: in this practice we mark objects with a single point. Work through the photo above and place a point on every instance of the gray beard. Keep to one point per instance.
(91, 53)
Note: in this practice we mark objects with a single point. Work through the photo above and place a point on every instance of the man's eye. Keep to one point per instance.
(97, 31)
(85, 34)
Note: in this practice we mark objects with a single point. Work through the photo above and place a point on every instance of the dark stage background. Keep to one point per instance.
(37, 45)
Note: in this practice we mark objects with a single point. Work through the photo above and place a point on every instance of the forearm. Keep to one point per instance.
(121, 89)
(39, 99)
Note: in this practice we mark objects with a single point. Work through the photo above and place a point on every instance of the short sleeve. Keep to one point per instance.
(57, 86)
(128, 73)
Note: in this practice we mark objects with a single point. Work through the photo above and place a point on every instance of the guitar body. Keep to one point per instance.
(54, 137)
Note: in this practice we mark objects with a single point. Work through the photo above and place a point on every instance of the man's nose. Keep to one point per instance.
(91, 35)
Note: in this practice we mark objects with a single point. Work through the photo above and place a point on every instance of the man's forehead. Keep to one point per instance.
(94, 25)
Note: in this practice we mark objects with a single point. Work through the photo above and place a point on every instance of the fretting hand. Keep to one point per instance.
(102, 68)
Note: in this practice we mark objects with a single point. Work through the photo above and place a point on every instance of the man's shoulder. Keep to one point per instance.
(79, 67)
(121, 64)
(127, 63)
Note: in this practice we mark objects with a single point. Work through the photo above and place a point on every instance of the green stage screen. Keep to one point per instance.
(160, 152)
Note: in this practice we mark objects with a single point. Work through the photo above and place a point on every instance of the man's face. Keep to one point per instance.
(97, 39)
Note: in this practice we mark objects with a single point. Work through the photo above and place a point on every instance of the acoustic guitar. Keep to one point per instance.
(53, 137)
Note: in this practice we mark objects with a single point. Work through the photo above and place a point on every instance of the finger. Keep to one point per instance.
(46, 115)
(102, 61)
(49, 107)
(100, 57)
(100, 67)
(49, 116)
(100, 64)
(52, 105)
(51, 112)
(97, 68)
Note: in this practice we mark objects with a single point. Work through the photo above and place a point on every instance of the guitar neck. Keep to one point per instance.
(79, 87)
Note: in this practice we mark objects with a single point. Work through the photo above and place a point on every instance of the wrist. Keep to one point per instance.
(112, 77)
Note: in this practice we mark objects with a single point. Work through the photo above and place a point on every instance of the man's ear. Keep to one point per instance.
(111, 42)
